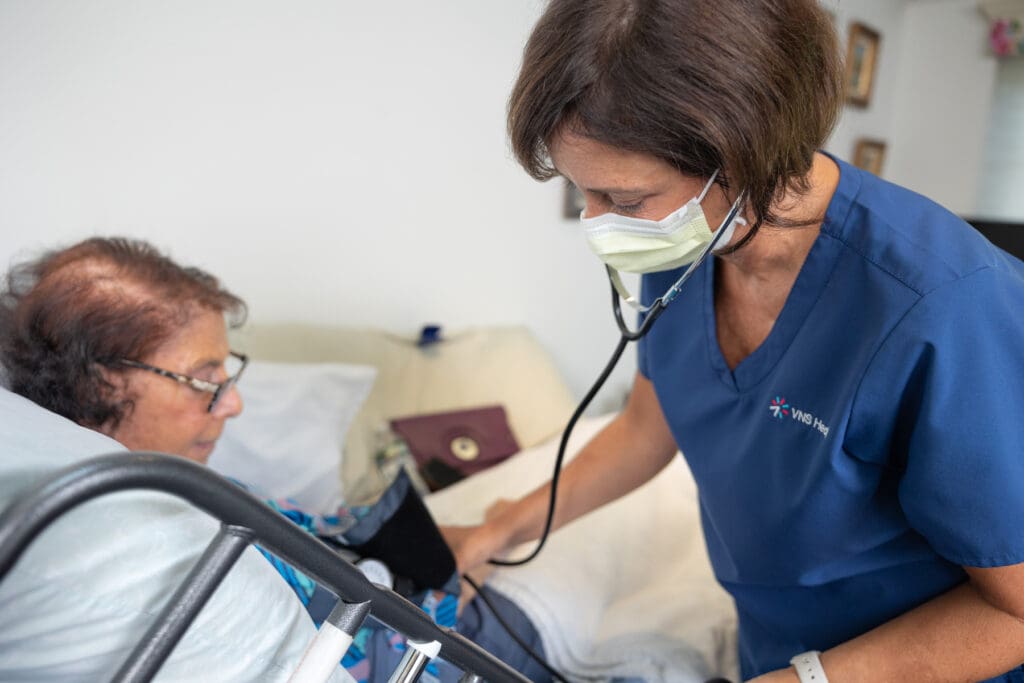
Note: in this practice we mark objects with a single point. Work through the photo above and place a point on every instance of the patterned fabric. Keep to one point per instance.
(377, 650)
(326, 526)
(372, 639)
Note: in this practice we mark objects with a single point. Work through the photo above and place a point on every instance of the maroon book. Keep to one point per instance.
(457, 441)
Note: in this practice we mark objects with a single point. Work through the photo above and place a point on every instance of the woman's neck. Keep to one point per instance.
(753, 283)
(779, 251)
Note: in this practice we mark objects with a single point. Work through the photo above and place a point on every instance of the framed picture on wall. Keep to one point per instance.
(861, 59)
(869, 155)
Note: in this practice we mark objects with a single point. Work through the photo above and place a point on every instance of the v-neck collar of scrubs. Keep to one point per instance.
(810, 282)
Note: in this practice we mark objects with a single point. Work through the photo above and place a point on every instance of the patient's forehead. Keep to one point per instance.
(201, 342)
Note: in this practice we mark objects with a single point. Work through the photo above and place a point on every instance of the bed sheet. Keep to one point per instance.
(625, 591)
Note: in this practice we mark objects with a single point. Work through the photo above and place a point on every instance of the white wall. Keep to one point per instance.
(332, 162)
(1001, 180)
(346, 163)
(946, 83)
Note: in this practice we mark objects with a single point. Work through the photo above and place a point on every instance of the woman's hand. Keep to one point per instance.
(470, 545)
(474, 545)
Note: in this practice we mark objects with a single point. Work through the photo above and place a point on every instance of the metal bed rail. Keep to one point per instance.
(244, 519)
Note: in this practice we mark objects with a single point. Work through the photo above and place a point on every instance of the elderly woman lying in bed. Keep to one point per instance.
(120, 339)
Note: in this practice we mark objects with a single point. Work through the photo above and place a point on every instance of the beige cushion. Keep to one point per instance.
(469, 368)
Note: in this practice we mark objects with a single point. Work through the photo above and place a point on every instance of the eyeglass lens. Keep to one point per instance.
(233, 365)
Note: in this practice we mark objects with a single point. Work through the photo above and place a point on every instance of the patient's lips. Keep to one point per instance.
(200, 451)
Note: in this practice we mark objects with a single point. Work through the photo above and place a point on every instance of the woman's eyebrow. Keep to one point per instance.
(605, 190)
(206, 364)
(620, 190)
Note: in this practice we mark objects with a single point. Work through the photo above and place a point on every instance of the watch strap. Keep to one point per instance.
(808, 667)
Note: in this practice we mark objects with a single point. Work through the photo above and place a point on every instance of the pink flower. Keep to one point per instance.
(1007, 37)
(999, 36)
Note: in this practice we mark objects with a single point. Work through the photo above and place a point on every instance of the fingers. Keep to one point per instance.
(473, 546)
(465, 546)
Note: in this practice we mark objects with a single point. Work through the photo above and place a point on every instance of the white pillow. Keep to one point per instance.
(288, 440)
(504, 365)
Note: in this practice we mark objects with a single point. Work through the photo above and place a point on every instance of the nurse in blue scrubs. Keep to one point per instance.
(844, 375)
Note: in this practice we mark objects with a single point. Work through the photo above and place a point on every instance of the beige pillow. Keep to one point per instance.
(469, 368)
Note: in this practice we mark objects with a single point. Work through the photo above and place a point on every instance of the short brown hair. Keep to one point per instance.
(69, 313)
(749, 86)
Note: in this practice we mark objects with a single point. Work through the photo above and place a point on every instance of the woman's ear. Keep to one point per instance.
(115, 387)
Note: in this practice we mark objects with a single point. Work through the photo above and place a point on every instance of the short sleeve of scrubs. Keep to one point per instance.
(947, 387)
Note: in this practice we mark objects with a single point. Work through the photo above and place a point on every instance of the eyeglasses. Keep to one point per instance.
(235, 365)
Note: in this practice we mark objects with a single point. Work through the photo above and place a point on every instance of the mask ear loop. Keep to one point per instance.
(722, 232)
(707, 188)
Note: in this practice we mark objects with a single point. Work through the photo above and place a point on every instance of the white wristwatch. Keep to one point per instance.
(808, 667)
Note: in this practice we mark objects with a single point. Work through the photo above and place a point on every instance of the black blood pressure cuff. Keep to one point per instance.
(399, 531)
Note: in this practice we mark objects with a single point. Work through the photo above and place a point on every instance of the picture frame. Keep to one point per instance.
(861, 61)
(869, 155)
(573, 201)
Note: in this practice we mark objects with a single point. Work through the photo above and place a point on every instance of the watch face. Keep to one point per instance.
(377, 572)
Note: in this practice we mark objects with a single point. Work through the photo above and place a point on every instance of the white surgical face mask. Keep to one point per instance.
(637, 245)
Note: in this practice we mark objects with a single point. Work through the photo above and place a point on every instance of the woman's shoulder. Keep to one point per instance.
(908, 237)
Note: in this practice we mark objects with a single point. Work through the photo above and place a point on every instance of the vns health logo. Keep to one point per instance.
(780, 410)
(779, 407)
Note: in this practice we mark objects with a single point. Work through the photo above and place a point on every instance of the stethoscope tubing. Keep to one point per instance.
(563, 443)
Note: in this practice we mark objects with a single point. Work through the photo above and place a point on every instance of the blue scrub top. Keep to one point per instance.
(874, 442)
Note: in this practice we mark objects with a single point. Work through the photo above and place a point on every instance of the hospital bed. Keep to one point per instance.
(244, 520)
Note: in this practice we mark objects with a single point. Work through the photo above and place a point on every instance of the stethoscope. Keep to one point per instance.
(650, 314)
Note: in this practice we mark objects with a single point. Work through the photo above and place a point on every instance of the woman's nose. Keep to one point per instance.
(230, 404)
